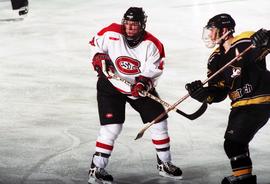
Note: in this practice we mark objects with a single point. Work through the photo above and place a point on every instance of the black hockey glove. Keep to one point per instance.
(261, 38)
(197, 91)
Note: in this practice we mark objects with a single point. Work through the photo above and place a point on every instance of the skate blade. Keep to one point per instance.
(170, 176)
(97, 181)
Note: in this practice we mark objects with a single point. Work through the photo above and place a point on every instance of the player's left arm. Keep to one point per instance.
(154, 64)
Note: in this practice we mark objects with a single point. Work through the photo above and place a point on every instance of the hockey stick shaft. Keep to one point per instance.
(144, 93)
(148, 125)
(192, 116)
(229, 63)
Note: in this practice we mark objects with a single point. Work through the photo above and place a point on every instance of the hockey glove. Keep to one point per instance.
(99, 67)
(141, 84)
(197, 91)
(261, 38)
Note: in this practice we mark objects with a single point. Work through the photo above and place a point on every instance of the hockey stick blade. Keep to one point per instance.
(140, 134)
(196, 114)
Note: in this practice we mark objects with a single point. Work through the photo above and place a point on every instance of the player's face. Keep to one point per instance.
(132, 28)
(210, 36)
(213, 33)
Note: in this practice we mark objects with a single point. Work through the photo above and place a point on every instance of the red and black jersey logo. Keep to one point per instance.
(127, 65)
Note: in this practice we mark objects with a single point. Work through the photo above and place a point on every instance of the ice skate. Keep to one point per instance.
(99, 175)
(167, 169)
(245, 179)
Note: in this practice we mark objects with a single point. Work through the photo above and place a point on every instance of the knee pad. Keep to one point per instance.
(233, 148)
(109, 133)
(159, 130)
(106, 138)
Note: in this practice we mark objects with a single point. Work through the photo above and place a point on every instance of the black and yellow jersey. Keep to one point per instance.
(247, 80)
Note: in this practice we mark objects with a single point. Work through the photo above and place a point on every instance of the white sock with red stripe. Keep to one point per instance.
(105, 141)
(161, 140)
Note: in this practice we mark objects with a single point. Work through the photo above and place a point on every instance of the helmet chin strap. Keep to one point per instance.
(222, 38)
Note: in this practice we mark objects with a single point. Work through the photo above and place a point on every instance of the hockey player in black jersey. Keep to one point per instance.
(246, 82)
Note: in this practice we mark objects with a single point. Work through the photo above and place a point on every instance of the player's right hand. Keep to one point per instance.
(100, 66)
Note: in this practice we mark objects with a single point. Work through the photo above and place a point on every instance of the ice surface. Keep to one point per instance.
(48, 116)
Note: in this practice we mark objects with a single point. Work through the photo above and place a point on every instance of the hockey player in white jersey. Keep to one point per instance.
(135, 55)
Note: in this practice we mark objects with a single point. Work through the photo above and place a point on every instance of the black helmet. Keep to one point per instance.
(136, 14)
(221, 21)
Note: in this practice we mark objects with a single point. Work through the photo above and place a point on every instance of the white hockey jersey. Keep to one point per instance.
(145, 59)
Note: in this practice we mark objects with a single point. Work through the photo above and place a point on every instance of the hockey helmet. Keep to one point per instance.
(221, 21)
(136, 14)
(218, 22)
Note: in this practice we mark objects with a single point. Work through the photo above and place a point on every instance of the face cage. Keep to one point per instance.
(206, 37)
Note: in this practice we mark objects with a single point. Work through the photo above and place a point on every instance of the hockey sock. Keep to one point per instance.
(161, 140)
(105, 142)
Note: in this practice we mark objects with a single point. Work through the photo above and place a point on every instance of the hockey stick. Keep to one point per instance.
(141, 132)
(192, 116)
